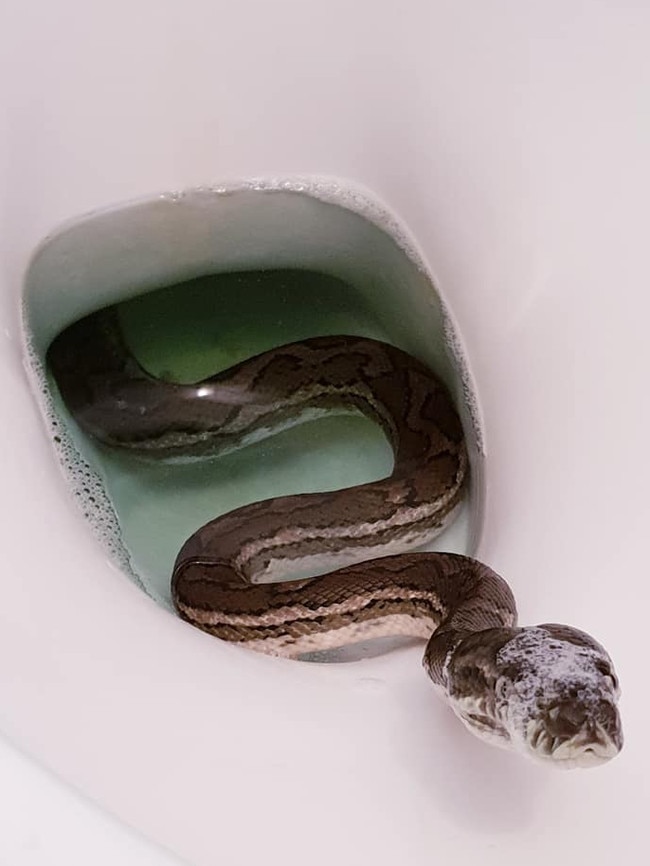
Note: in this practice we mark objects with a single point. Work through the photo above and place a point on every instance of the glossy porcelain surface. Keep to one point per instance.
(512, 140)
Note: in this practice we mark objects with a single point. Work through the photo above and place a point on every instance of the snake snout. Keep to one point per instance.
(582, 734)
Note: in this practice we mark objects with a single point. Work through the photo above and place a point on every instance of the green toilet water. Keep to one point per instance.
(186, 332)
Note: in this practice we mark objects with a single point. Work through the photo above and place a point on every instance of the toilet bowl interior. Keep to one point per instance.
(203, 280)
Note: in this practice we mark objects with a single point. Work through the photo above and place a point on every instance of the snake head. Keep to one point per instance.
(547, 691)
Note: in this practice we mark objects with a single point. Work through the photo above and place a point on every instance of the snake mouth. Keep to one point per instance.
(570, 755)
(585, 749)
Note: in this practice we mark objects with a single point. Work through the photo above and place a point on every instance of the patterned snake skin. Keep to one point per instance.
(547, 691)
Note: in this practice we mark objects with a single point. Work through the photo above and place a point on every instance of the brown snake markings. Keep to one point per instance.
(548, 691)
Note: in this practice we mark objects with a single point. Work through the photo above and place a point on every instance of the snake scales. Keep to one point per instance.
(548, 691)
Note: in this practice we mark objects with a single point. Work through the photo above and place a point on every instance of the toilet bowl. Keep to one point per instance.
(204, 280)
(475, 141)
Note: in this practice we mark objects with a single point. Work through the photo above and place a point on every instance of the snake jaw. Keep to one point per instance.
(469, 682)
(588, 748)
(483, 725)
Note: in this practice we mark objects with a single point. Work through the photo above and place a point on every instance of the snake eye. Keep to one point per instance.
(605, 669)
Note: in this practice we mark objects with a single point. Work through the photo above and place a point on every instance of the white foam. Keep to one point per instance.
(85, 485)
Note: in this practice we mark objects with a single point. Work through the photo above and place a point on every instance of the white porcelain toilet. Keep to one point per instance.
(473, 178)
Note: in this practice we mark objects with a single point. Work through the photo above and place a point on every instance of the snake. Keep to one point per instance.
(548, 692)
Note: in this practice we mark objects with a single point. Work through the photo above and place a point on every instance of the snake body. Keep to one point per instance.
(549, 691)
